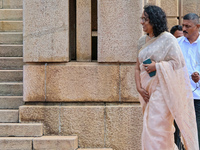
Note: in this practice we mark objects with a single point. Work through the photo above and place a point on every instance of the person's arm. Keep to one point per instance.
(142, 91)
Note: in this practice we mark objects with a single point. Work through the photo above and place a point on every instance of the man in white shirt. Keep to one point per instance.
(190, 46)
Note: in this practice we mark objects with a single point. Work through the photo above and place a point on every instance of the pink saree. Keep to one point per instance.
(170, 96)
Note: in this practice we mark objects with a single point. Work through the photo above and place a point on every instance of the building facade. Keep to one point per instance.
(78, 77)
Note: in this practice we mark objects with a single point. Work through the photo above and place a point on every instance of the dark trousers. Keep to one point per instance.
(197, 111)
(177, 137)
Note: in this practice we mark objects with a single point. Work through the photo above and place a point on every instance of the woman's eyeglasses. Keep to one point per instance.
(144, 19)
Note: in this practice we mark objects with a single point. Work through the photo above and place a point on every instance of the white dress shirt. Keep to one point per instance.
(191, 53)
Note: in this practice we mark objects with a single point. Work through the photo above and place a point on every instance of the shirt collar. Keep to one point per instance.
(198, 39)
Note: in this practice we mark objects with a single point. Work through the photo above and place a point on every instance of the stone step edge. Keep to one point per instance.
(14, 32)
(94, 149)
(11, 97)
(11, 45)
(9, 110)
(11, 57)
(11, 102)
(12, 9)
(57, 137)
(11, 20)
(34, 140)
(11, 70)
(11, 83)
(9, 115)
(20, 124)
(43, 137)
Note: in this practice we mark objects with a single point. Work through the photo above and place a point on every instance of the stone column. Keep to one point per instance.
(192, 6)
(171, 8)
(46, 30)
(118, 30)
(84, 30)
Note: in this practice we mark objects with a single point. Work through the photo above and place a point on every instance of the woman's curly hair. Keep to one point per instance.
(157, 18)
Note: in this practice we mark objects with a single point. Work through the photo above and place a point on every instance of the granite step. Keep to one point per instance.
(11, 26)
(21, 129)
(94, 149)
(9, 116)
(16, 143)
(55, 142)
(39, 143)
(11, 89)
(11, 37)
(11, 102)
(11, 14)
(11, 75)
(12, 4)
(11, 63)
(11, 50)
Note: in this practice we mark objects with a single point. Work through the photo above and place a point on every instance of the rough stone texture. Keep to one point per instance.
(11, 26)
(11, 143)
(11, 50)
(11, 75)
(94, 149)
(11, 38)
(82, 82)
(152, 2)
(13, 4)
(11, 63)
(11, 89)
(170, 7)
(172, 22)
(1, 4)
(123, 127)
(48, 115)
(128, 87)
(11, 14)
(22, 130)
(83, 30)
(8, 115)
(87, 122)
(34, 83)
(12, 102)
(191, 6)
(55, 143)
(46, 31)
(116, 126)
(118, 30)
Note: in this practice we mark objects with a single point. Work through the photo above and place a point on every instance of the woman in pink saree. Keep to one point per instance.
(166, 95)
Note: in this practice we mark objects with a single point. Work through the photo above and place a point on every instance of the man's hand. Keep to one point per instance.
(150, 67)
(144, 94)
(195, 77)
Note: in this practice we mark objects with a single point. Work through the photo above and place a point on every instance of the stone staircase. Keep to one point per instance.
(11, 61)
(15, 135)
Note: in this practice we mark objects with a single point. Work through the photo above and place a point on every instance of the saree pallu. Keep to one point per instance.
(170, 96)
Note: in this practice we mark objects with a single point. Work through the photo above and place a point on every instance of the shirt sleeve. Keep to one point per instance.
(197, 68)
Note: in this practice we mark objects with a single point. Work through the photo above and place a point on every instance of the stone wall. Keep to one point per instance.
(97, 125)
(80, 82)
(66, 89)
